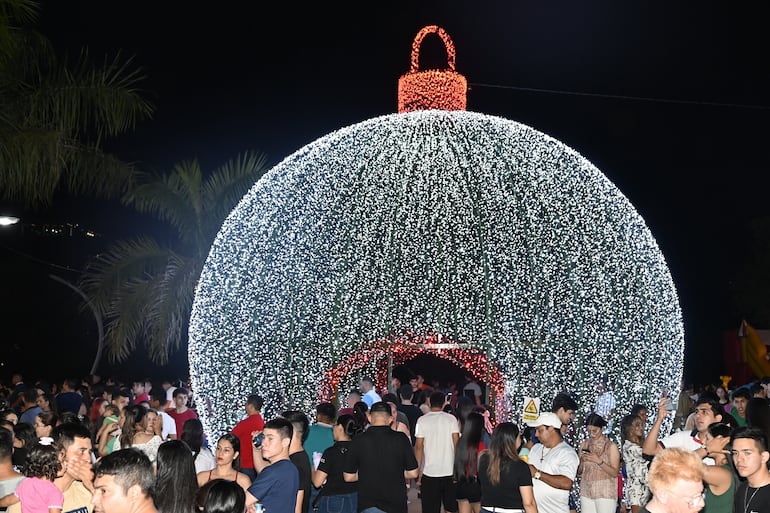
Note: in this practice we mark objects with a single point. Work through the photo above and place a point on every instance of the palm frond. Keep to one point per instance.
(146, 291)
(227, 185)
(153, 309)
(104, 100)
(167, 315)
(92, 171)
(126, 318)
(174, 198)
(14, 14)
(126, 263)
(32, 161)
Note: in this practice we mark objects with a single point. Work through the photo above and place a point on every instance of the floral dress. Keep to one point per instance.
(637, 491)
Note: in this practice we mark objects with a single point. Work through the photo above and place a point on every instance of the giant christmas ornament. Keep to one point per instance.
(472, 237)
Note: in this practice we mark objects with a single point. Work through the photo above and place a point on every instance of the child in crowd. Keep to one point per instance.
(37, 493)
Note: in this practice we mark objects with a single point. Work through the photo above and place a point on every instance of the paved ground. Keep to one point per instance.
(414, 502)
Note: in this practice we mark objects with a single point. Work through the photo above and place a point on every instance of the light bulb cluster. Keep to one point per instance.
(398, 350)
(376, 237)
(432, 89)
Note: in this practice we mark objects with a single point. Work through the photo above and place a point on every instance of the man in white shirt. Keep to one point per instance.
(436, 435)
(553, 465)
(472, 389)
(707, 412)
(168, 426)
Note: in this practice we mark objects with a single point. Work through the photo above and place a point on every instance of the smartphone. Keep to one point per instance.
(584, 450)
(257, 441)
(669, 403)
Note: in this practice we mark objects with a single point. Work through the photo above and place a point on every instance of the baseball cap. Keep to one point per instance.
(546, 419)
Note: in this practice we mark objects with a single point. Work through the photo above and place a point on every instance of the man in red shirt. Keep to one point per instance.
(244, 429)
(180, 413)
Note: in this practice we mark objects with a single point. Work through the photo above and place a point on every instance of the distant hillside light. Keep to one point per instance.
(432, 89)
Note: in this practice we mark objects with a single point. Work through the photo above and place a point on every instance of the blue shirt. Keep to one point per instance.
(276, 487)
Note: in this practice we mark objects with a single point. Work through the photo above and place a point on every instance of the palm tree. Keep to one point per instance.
(54, 114)
(144, 289)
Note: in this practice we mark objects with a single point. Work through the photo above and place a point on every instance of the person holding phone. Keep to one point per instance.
(598, 469)
(707, 412)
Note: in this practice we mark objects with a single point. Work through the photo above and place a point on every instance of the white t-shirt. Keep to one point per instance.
(561, 460)
(436, 428)
(474, 388)
(205, 461)
(170, 394)
(169, 426)
(685, 440)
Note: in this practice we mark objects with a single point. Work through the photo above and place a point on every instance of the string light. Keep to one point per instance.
(432, 89)
(381, 235)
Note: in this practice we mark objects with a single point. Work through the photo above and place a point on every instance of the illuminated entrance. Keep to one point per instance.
(385, 354)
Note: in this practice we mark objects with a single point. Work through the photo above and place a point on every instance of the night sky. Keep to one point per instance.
(670, 102)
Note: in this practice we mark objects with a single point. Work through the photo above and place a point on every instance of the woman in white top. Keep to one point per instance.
(134, 432)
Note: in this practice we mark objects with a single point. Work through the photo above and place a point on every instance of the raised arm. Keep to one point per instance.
(651, 446)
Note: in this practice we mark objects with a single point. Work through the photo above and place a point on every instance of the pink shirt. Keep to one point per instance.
(37, 495)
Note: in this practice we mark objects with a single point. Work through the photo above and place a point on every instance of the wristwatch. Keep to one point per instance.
(537, 475)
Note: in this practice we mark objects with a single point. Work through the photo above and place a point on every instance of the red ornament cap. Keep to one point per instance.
(432, 89)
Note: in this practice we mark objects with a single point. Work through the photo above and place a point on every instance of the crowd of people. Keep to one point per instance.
(113, 447)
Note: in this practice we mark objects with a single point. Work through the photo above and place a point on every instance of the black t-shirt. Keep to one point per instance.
(302, 462)
(752, 500)
(505, 494)
(333, 463)
(412, 413)
(380, 456)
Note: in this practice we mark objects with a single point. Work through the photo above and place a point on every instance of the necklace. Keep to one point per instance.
(546, 452)
(745, 495)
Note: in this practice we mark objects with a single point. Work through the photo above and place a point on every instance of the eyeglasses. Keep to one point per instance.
(692, 502)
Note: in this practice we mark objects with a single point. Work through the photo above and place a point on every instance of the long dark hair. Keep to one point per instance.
(132, 416)
(502, 450)
(625, 428)
(192, 435)
(176, 482)
(221, 496)
(466, 453)
(236, 443)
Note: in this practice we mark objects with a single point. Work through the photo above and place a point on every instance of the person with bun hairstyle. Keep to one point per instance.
(336, 494)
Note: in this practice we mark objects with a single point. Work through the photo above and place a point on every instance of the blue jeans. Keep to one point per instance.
(340, 504)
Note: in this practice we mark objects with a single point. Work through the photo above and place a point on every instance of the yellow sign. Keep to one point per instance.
(531, 409)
